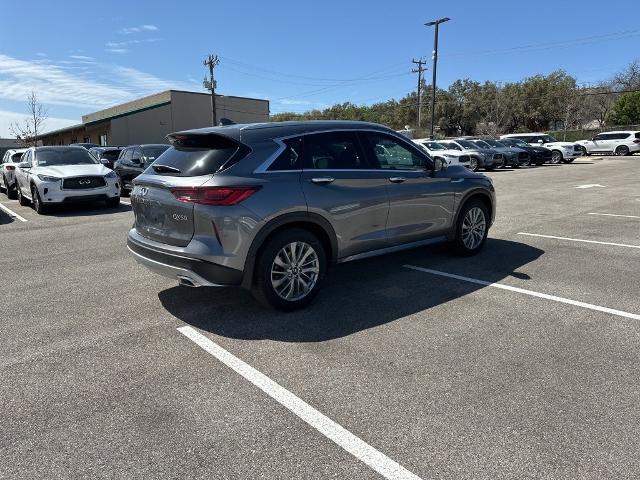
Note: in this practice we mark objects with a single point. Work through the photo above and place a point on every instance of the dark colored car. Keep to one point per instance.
(487, 158)
(133, 160)
(538, 155)
(513, 157)
(106, 155)
(271, 206)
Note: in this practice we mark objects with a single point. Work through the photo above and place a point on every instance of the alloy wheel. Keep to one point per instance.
(473, 164)
(295, 271)
(622, 151)
(474, 227)
(556, 157)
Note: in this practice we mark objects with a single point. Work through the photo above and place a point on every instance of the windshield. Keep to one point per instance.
(548, 139)
(434, 146)
(482, 144)
(495, 143)
(64, 156)
(467, 144)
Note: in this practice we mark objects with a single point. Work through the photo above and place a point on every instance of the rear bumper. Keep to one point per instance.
(192, 271)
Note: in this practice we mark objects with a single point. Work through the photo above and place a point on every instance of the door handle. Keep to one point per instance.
(397, 179)
(322, 180)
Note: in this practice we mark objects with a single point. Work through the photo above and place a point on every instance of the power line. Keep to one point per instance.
(551, 45)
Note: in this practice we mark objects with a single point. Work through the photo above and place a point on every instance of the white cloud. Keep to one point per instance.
(126, 43)
(7, 118)
(81, 57)
(138, 29)
(89, 87)
(116, 50)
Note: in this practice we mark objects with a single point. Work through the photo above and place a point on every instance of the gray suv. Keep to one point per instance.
(270, 206)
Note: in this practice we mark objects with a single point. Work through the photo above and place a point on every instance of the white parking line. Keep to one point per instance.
(579, 240)
(568, 301)
(12, 213)
(330, 429)
(613, 215)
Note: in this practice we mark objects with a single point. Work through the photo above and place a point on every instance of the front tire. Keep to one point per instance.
(622, 151)
(472, 228)
(21, 199)
(38, 206)
(556, 157)
(473, 164)
(289, 270)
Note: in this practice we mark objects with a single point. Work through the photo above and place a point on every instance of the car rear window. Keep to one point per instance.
(110, 154)
(15, 158)
(196, 155)
(151, 153)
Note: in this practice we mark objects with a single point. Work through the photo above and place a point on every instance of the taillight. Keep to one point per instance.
(10, 167)
(637, 140)
(223, 196)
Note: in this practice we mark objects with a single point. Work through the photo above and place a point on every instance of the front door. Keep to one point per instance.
(340, 185)
(420, 204)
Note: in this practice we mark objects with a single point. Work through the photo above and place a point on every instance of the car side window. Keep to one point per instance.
(333, 151)
(136, 154)
(27, 157)
(291, 157)
(452, 146)
(126, 156)
(391, 154)
(599, 137)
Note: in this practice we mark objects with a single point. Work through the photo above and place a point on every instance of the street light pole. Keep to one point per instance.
(435, 23)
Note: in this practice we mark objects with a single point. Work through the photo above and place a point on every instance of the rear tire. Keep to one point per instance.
(472, 228)
(12, 193)
(556, 157)
(289, 270)
(622, 151)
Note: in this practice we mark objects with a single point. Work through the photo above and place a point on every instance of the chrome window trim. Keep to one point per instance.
(264, 166)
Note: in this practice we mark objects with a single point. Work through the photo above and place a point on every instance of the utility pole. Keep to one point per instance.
(419, 71)
(210, 84)
(435, 23)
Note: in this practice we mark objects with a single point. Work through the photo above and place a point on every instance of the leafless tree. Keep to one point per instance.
(629, 78)
(27, 131)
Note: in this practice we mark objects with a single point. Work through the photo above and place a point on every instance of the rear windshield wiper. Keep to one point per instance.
(165, 169)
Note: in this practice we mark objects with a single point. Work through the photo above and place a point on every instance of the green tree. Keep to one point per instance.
(626, 110)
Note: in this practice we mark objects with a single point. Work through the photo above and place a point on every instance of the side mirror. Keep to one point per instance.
(24, 165)
(540, 141)
(104, 161)
(439, 164)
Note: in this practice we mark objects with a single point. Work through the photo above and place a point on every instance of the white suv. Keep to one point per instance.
(8, 171)
(54, 175)
(618, 143)
(565, 152)
(452, 157)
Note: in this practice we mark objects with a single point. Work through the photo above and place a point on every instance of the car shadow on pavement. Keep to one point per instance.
(5, 218)
(84, 210)
(357, 296)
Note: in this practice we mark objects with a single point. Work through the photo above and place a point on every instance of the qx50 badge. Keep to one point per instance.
(143, 191)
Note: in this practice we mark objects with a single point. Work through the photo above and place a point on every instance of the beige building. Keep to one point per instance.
(150, 119)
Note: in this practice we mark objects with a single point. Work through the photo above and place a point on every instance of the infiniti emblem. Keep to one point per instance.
(143, 191)
(84, 182)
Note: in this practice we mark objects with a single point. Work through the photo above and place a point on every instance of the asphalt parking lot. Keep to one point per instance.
(521, 362)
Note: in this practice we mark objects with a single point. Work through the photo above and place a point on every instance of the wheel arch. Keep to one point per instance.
(312, 222)
(479, 194)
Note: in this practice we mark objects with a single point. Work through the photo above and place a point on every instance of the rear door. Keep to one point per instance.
(420, 204)
(340, 185)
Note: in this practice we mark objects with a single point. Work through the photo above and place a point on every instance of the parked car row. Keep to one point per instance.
(513, 150)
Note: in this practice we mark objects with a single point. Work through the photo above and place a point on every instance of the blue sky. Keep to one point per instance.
(80, 57)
